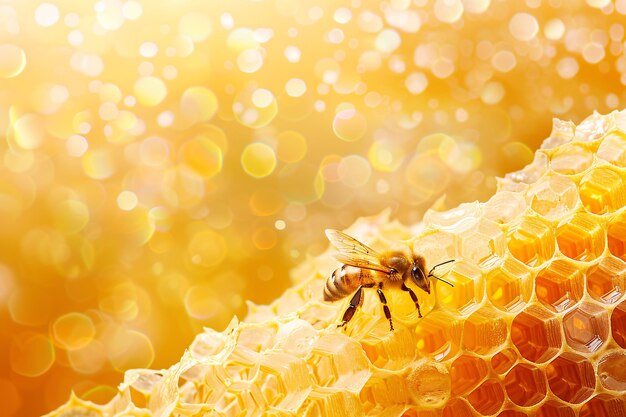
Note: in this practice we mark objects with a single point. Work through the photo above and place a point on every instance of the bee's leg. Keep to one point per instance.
(357, 300)
(383, 300)
(413, 297)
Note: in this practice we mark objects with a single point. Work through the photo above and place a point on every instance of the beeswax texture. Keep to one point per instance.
(534, 325)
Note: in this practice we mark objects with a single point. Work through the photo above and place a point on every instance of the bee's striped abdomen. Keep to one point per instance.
(345, 281)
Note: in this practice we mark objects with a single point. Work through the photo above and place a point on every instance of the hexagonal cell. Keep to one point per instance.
(438, 335)
(536, 334)
(483, 243)
(581, 237)
(466, 373)
(504, 206)
(504, 360)
(525, 385)
(606, 282)
(560, 285)
(604, 405)
(457, 407)
(616, 235)
(553, 197)
(555, 408)
(563, 132)
(528, 175)
(571, 158)
(613, 148)
(531, 241)
(618, 324)
(509, 286)
(602, 190)
(389, 350)
(339, 362)
(488, 398)
(428, 383)
(612, 371)
(571, 378)
(586, 327)
(484, 331)
(468, 289)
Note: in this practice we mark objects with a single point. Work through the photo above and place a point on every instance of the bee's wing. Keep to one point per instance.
(354, 253)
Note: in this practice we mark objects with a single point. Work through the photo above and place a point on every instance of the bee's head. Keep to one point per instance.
(418, 274)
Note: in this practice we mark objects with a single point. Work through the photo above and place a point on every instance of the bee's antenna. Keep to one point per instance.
(430, 274)
(442, 280)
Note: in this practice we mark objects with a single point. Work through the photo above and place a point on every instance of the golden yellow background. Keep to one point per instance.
(163, 162)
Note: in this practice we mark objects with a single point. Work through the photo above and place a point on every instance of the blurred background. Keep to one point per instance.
(163, 162)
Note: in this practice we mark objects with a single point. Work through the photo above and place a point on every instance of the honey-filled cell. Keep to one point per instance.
(467, 292)
(536, 333)
(586, 327)
(438, 335)
(554, 197)
(484, 331)
(616, 235)
(466, 373)
(613, 148)
(606, 281)
(457, 407)
(531, 241)
(504, 360)
(560, 285)
(509, 286)
(612, 371)
(571, 378)
(525, 385)
(602, 190)
(581, 237)
(571, 158)
(604, 405)
(618, 324)
(554, 408)
(488, 398)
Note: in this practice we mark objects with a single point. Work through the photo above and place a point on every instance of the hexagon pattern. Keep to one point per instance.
(534, 325)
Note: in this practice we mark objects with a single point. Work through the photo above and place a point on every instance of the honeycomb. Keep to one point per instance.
(534, 325)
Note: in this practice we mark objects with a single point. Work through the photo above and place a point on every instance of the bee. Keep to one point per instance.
(365, 268)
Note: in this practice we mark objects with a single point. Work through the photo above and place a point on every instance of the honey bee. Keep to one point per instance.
(365, 268)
